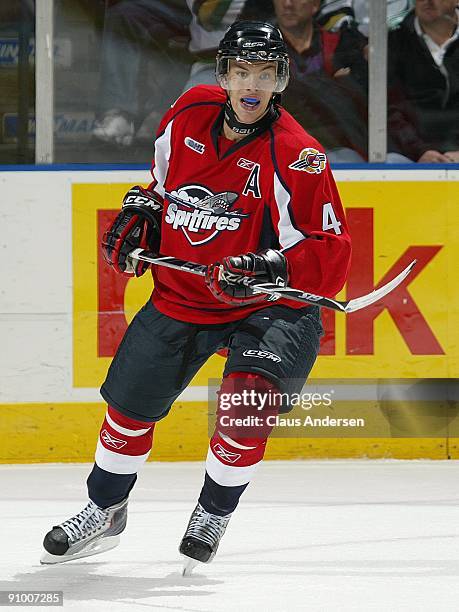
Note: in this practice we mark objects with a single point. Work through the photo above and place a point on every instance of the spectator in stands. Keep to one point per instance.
(327, 90)
(138, 33)
(210, 19)
(334, 14)
(423, 109)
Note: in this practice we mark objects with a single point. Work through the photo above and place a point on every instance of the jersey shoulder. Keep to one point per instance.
(200, 95)
(290, 135)
(295, 149)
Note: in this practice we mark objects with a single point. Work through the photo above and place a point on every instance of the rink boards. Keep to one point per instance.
(63, 313)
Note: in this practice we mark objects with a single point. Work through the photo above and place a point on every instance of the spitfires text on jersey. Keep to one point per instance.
(200, 214)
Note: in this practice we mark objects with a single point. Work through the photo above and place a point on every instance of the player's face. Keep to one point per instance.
(250, 88)
(295, 13)
(429, 11)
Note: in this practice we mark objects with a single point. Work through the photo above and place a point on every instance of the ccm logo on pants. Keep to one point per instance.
(261, 355)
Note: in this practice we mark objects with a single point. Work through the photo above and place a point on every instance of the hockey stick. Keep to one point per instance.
(281, 292)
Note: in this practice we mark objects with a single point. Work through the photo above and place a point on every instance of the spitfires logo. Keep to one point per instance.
(200, 214)
(310, 160)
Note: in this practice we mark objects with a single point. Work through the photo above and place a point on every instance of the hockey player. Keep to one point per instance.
(240, 186)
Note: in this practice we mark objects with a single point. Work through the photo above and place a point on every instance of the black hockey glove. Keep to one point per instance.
(224, 278)
(138, 225)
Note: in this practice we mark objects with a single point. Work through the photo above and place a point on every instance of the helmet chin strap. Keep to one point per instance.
(246, 129)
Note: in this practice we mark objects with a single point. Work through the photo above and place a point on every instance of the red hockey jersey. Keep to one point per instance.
(271, 189)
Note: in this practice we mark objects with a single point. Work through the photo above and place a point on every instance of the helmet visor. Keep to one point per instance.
(239, 73)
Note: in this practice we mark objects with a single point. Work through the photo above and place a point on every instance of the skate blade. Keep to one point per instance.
(189, 565)
(99, 546)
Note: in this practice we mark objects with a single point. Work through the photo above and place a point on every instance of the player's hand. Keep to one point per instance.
(138, 225)
(224, 277)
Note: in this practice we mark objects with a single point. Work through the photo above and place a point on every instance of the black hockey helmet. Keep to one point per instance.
(253, 41)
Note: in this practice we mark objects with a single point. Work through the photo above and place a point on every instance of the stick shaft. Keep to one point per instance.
(280, 292)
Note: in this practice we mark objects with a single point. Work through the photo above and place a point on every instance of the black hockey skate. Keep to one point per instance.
(202, 537)
(91, 531)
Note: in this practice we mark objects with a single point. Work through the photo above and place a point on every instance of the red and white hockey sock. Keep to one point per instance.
(230, 463)
(124, 443)
(235, 453)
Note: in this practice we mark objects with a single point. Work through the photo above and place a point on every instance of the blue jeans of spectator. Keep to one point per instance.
(344, 155)
(139, 32)
(202, 73)
(397, 158)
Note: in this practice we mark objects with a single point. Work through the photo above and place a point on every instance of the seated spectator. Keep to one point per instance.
(423, 107)
(327, 90)
(138, 33)
(334, 14)
(210, 19)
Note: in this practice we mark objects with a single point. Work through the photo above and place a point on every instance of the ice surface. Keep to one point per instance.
(312, 535)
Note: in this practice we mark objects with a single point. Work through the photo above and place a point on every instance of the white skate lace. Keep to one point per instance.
(87, 522)
(206, 526)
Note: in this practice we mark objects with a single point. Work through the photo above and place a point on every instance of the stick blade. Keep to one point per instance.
(374, 296)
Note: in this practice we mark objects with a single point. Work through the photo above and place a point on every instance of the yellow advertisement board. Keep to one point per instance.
(410, 334)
